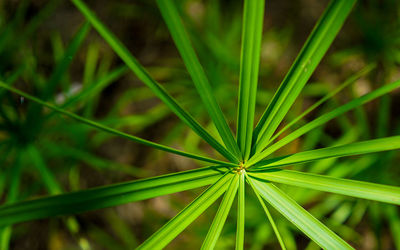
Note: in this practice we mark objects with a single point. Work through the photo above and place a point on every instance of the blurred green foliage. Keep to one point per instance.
(50, 51)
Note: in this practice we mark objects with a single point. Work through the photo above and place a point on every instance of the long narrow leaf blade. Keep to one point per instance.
(357, 148)
(144, 76)
(176, 225)
(307, 223)
(332, 93)
(48, 178)
(108, 196)
(249, 64)
(269, 216)
(196, 71)
(359, 189)
(62, 67)
(241, 213)
(324, 119)
(220, 218)
(111, 130)
(311, 54)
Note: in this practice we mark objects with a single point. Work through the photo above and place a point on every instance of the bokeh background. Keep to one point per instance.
(36, 34)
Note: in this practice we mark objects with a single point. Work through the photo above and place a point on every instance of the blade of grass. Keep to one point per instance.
(196, 71)
(332, 93)
(144, 76)
(307, 223)
(97, 86)
(91, 62)
(33, 24)
(219, 220)
(393, 217)
(241, 213)
(62, 150)
(65, 62)
(47, 177)
(357, 148)
(107, 196)
(324, 119)
(360, 189)
(183, 219)
(309, 57)
(111, 130)
(12, 196)
(249, 64)
(270, 219)
(49, 180)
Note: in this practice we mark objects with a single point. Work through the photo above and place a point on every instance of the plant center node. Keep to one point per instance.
(241, 169)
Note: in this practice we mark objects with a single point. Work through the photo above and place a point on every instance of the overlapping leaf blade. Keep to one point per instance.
(196, 71)
(176, 225)
(328, 96)
(111, 130)
(107, 196)
(253, 15)
(359, 189)
(309, 57)
(324, 119)
(220, 218)
(307, 223)
(269, 216)
(357, 148)
(144, 76)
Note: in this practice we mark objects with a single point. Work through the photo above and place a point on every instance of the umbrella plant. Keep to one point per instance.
(247, 158)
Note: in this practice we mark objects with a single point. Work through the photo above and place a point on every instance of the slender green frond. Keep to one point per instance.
(96, 87)
(144, 76)
(241, 213)
(196, 71)
(220, 218)
(48, 179)
(107, 196)
(357, 148)
(12, 196)
(360, 189)
(111, 130)
(309, 57)
(324, 119)
(393, 218)
(307, 223)
(253, 15)
(332, 93)
(62, 67)
(176, 225)
(270, 219)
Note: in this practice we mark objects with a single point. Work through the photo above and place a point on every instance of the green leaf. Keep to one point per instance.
(307, 223)
(111, 130)
(219, 220)
(96, 87)
(330, 94)
(241, 213)
(176, 225)
(107, 196)
(308, 59)
(270, 219)
(324, 119)
(12, 196)
(48, 178)
(249, 64)
(196, 71)
(360, 189)
(65, 61)
(357, 148)
(144, 76)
